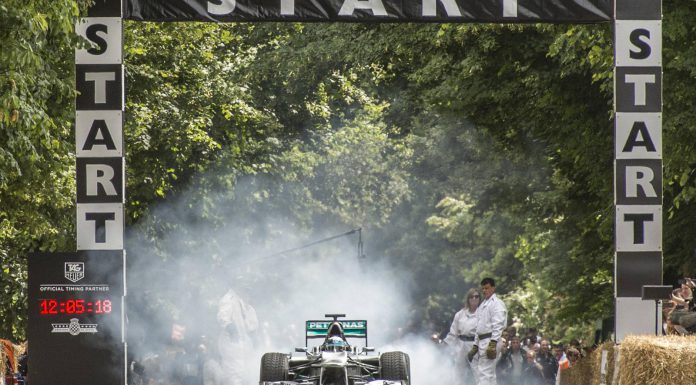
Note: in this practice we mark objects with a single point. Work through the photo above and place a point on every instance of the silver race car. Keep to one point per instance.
(335, 361)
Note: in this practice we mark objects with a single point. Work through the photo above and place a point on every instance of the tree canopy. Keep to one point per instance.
(463, 149)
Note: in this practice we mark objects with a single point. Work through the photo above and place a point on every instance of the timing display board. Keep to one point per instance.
(504, 11)
(76, 322)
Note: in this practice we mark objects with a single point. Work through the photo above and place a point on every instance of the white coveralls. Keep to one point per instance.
(463, 324)
(236, 348)
(492, 318)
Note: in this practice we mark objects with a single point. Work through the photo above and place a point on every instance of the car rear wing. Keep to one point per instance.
(320, 328)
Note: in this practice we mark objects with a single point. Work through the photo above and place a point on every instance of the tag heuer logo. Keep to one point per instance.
(74, 271)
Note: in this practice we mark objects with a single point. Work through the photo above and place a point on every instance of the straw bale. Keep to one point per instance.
(651, 360)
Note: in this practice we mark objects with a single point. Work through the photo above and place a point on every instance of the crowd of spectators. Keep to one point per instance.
(530, 359)
(535, 360)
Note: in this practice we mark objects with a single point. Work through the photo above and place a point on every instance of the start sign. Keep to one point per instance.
(76, 326)
(502, 11)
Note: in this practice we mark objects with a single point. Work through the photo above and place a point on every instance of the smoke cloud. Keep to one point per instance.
(219, 296)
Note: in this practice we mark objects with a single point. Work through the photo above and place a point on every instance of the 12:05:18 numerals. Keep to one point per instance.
(74, 306)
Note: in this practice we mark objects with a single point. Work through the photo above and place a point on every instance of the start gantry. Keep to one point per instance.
(583, 11)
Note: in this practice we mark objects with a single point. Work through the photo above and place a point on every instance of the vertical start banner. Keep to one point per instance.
(638, 162)
(99, 108)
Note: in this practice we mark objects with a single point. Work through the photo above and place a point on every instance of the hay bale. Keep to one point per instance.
(645, 360)
(653, 360)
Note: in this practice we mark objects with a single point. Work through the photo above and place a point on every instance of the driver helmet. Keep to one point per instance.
(335, 344)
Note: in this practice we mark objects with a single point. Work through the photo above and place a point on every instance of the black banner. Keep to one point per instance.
(76, 318)
(504, 11)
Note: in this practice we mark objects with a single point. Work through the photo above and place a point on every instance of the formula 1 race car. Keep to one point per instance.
(335, 362)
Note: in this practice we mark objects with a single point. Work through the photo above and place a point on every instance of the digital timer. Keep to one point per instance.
(74, 306)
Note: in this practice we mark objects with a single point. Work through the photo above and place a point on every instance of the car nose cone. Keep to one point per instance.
(334, 359)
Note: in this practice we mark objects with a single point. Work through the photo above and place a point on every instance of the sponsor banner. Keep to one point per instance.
(76, 312)
(507, 11)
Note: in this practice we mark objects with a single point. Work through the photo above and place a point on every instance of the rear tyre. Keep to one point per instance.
(395, 366)
(274, 367)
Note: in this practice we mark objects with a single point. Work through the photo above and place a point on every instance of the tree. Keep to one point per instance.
(36, 150)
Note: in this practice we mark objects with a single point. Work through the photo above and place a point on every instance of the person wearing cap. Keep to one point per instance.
(491, 321)
(461, 336)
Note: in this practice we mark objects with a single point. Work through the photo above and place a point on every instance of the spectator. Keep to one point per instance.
(573, 355)
(536, 347)
(531, 338)
(547, 361)
(532, 372)
(683, 295)
(682, 318)
(575, 343)
(563, 362)
(559, 353)
(512, 362)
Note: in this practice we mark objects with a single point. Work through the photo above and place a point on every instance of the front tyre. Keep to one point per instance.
(274, 367)
(395, 366)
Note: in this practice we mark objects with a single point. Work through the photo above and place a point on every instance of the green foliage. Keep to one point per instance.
(36, 142)
(466, 150)
(189, 107)
(679, 136)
